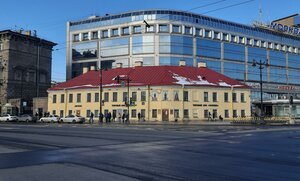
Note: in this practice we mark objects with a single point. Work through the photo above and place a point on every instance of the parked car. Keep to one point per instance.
(51, 118)
(72, 119)
(25, 118)
(8, 117)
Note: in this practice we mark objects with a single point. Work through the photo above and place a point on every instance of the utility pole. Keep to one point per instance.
(262, 65)
(100, 93)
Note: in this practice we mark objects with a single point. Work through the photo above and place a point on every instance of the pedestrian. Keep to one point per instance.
(92, 118)
(100, 117)
(106, 117)
(209, 116)
(123, 118)
(114, 116)
(139, 116)
(109, 117)
(220, 118)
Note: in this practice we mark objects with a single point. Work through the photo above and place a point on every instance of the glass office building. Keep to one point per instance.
(171, 36)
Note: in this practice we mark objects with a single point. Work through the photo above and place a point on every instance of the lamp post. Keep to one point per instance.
(100, 94)
(261, 65)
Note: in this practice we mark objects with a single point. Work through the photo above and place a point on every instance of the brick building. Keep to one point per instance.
(25, 72)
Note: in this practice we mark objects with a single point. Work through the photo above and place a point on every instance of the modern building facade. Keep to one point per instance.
(158, 93)
(25, 72)
(163, 37)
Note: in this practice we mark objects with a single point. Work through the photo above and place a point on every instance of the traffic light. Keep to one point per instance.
(291, 99)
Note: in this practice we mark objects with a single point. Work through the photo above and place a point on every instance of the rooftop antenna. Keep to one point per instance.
(260, 19)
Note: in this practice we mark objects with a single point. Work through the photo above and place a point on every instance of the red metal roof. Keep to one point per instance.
(153, 76)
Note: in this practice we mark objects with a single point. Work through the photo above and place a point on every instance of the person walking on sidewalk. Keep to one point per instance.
(92, 118)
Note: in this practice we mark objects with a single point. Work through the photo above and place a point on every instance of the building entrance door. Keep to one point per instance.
(165, 114)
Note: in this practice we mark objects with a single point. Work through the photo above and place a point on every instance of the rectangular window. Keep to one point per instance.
(226, 113)
(165, 95)
(186, 96)
(70, 98)
(242, 97)
(215, 97)
(143, 113)
(96, 113)
(96, 97)
(143, 95)
(61, 113)
(215, 113)
(106, 97)
(54, 112)
(234, 113)
(154, 113)
(125, 31)
(205, 97)
(163, 28)
(176, 95)
(115, 97)
(88, 97)
(226, 97)
(176, 29)
(104, 34)
(195, 113)
(85, 36)
(76, 37)
(133, 96)
(88, 113)
(137, 29)
(124, 96)
(206, 113)
(243, 114)
(115, 32)
(186, 113)
(70, 112)
(187, 30)
(62, 98)
(54, 99)
(95, 35)
(150, 29)
(133, 113)
(176, 113)
(78, 97)
(234, 97)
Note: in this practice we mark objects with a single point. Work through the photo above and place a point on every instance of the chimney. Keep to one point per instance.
(85, 70)
(92, 68)
(201, 64)
(138, 63)
(182, 63)
(119, 65)
(28, 33)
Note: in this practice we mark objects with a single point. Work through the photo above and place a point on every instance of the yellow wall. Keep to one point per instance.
(195, 104)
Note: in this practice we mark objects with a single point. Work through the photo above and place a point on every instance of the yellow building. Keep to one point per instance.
(161, 93)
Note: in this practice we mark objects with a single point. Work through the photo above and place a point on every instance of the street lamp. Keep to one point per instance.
(261, 65)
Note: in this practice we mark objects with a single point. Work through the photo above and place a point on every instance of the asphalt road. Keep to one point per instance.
(148, 152)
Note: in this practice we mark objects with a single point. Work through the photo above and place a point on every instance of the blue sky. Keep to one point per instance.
(49, 17)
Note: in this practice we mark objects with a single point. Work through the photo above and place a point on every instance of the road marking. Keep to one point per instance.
(9, 128)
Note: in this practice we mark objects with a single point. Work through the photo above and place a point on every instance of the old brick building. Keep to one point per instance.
(25, 68)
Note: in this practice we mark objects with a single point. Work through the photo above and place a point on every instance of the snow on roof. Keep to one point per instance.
(152, 76)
